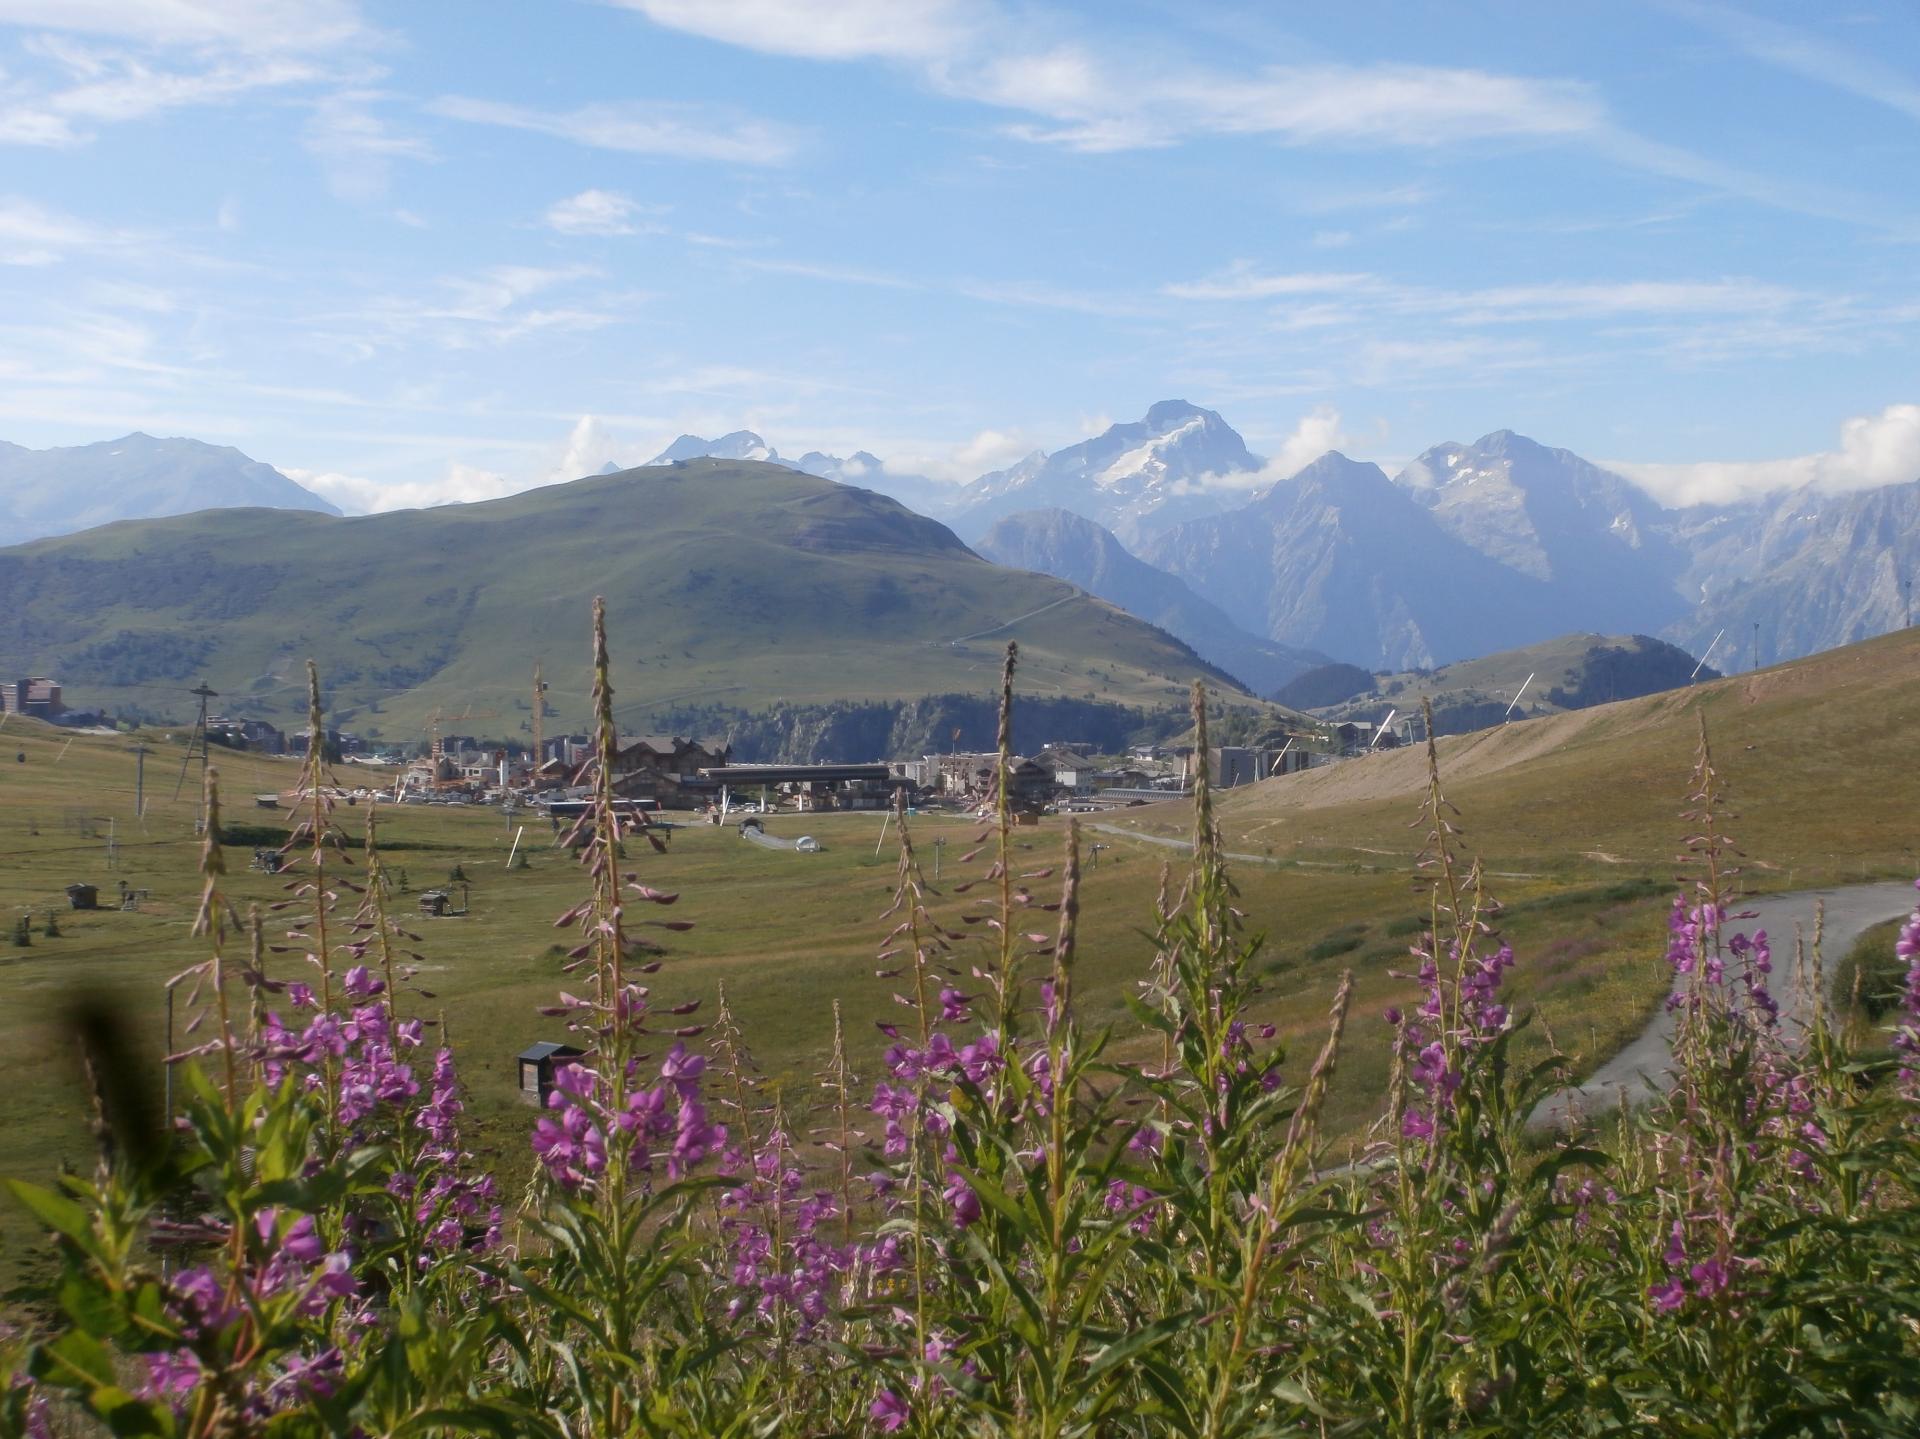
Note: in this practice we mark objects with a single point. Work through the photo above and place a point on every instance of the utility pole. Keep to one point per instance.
(197, 741)
(539, 714)
(1756, 644)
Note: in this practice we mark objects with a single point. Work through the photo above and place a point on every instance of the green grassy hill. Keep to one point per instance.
(1571, 672)
(1817, 753)
(728, 583)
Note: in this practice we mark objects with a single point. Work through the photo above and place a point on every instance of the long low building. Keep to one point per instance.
(814, 786)
(751, 774)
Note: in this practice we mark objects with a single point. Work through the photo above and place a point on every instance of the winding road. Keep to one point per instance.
(1640, 1068)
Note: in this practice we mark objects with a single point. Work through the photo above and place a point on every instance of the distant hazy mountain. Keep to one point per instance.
(1135, 479)
(870, 472)
(1483, 547)
(740, 445)
(1812, 570)
(1055, 542)
(1596, 537)
(136, 477)
(1340, 559)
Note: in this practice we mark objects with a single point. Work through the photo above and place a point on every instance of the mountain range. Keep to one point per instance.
(75, 487)
(731, 583)
(1468, 549)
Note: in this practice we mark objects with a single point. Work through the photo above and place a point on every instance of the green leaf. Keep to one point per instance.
(77, 1361)
(57, 1212)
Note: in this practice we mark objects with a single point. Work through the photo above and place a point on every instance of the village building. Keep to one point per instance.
(253, 735)
(1067, 766)
(667, 769)
(36, 697)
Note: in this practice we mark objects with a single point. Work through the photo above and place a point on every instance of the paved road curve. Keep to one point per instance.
(1641, 1069)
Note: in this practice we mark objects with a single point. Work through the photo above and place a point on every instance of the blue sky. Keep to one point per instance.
(412, 252)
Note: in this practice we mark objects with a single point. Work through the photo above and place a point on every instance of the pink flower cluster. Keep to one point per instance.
(666, 1121)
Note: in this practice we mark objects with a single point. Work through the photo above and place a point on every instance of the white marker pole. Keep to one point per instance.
(1516, 697)
(885, 820)
(64, 748)
(516, 845)
(1690, 678)
(1383, 727)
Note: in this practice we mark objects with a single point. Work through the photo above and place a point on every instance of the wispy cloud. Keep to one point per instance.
(258, 26)
(1243, 280)
(834, 274)
(1097, 98)
(835, 30)
(90, 87)
(356, 148)
(488, 308)
(638, 128)
(599, 212)
(1040, 295)
(1802, 52)
(33, 235)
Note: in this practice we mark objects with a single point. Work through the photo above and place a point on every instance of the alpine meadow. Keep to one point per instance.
(788, 718)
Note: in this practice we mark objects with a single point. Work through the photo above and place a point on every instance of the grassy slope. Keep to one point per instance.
(1816, 754)
(730, 582)
(1556, 663)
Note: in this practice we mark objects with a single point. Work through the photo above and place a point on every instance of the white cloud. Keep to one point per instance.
(957, 464)
(256, 25)
(1316, 432)
(1098, 102)
(100, 87)
(355, 148)
(597, 212)
(459, 484)
(589, 446)
(680, 131)
(1874, 450)
(823, 29)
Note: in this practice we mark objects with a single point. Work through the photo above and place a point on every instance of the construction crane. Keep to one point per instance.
(440, 716)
